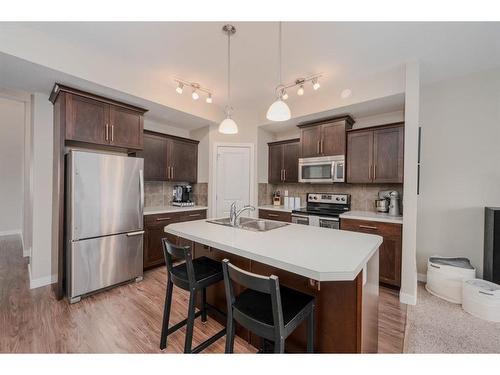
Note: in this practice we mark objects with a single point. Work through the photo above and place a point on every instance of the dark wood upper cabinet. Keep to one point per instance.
(97, 120)
(359, 156)
(283, 161)
(126, 128)
(169, 158)
(376, 154)
(388, 154)
(86, 119)
(325, 137)
(183, 160)
(154, 154)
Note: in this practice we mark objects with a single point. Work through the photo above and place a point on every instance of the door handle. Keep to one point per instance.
(112, 132)
(162, 218)
(106, 131)
(273, 215)
(194, 215)
(370, 172)
(284, 175)
(318, 147)
(375, 171)
(171, 173)
(141, 187)
(321, 146)
(139, 232)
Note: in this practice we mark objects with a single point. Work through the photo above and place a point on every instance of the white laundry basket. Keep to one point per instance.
(481, 298)
(445, 277)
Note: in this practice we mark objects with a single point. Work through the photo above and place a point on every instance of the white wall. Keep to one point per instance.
(12, 114)
(460, 165)
(165, 128)
(41, 272)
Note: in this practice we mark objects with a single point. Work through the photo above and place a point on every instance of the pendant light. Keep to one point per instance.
(228, 126)
(279, 111)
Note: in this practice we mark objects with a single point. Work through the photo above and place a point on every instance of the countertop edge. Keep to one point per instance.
(370, 216)
(172, 209)
(318, 276)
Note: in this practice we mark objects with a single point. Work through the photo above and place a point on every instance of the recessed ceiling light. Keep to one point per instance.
(345, 93)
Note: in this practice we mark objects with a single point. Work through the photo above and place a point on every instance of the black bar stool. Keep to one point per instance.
(193, 275)
(265, 308)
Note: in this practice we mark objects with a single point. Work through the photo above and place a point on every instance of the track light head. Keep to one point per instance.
(300, 91)
(180, 87)
(316, 84)
(195, 95)
(209, 99)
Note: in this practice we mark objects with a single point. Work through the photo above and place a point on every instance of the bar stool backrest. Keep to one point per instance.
(171, 251)
(264, 284)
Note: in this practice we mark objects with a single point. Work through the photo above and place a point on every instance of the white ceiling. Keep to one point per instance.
(149, 55)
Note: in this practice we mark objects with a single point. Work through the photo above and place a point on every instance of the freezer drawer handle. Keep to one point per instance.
(135, 233)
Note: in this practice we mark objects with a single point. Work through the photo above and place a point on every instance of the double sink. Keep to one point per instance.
(247, 223)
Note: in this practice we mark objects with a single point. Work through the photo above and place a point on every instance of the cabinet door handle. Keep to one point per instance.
(284, 175)
(318, 147)
(107, 131)
(370, 172)
(163, 218)
(172, 173)
(273, 215)
(112, 132)
(368, 227)
(321, 146)
(375, 171)
(194, 215)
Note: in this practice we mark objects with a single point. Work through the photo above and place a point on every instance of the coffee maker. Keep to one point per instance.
(182, 196)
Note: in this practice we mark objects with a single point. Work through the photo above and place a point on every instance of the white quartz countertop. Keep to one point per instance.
(372, 216)
(272, 207)
(319, 253)
(168, 209)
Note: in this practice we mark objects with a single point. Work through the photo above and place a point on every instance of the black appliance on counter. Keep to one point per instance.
(491, 263)
(322, 210)
(183, 196)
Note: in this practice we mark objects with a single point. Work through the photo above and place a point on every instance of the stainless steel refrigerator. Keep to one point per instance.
(104, 218)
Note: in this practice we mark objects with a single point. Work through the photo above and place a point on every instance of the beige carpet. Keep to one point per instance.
(437, 326)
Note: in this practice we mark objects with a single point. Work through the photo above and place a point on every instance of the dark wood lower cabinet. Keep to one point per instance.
(275, 215)
(154, 226)
(389, 251)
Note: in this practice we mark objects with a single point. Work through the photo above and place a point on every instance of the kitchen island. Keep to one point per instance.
(338, 268)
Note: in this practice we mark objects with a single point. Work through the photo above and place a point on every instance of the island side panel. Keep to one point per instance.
(337, 312)
(369, 309)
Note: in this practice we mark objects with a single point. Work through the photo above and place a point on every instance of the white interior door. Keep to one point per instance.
(233, 178)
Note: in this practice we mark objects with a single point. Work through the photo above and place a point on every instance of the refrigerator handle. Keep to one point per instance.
(141, 188)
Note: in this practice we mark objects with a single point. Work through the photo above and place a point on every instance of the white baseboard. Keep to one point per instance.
(407, 298)
(422, 277)
(41, 281)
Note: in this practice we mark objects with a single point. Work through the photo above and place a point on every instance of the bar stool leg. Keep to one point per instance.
(166, 314)
(230, 335)
(310, 331)
(190, 322)
(279, 345)
(204, 305)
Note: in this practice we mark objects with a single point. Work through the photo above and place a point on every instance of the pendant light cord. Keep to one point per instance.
(229, 68)
(279, 53)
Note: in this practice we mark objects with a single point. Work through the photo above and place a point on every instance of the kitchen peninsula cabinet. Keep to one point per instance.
(376, 154)
(169, 158)
(283, 161)
(324, 138)
(390, 249)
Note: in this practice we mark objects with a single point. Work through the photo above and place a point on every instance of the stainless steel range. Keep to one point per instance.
(322, 210)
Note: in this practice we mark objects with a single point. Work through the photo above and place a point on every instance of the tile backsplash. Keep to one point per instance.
(159, 193)
(362, 195)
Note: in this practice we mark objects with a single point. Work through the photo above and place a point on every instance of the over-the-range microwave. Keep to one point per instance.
(324, 169)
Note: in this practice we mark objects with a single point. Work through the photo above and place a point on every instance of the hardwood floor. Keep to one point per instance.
(125, 319)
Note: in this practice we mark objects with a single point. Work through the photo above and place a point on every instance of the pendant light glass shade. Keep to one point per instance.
(278, 111)
(228, 126)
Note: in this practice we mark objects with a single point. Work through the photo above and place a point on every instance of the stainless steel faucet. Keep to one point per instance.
(235, 214)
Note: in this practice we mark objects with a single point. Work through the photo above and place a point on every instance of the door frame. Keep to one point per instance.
(212, 206)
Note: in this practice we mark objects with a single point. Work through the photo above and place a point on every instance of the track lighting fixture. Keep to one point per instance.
(196, 89)
(316, 84)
